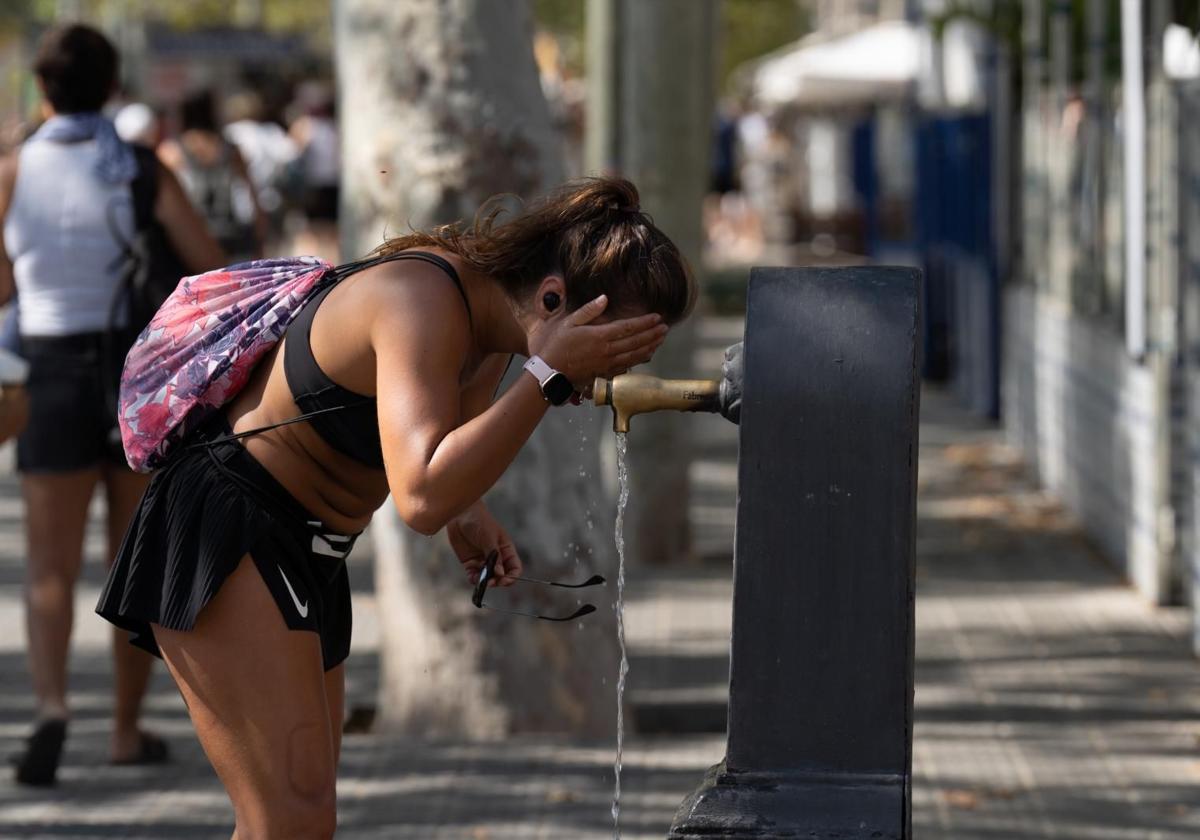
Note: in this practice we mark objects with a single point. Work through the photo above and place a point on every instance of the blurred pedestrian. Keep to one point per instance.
(13, 131)
(213, 174)
(67, 214)
(315, 133)
(267, 150)
(138, 123)
(753, 137)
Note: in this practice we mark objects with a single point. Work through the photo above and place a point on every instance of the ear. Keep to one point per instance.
(552, 284)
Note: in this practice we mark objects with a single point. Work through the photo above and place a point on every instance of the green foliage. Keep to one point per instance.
(748, 28)
(1006, 21)
(753, 28)
(310, 16)
(1005, 17)
(562, 17)
(566, 20)
(14, 14)
(1002, 21)
(1186, 13)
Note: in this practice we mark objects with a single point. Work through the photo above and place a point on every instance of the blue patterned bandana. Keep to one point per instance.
(117, 163)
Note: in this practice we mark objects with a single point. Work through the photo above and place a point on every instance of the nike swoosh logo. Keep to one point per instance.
(300, 608)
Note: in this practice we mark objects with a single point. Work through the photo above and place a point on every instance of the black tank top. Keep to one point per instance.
(354, 429)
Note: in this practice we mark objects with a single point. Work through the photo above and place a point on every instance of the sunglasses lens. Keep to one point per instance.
(488, 571)
(485, 574)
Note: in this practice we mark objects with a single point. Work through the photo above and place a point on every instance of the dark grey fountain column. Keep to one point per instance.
(821, 673)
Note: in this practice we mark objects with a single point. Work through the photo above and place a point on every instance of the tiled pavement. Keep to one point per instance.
(1051, 702)
(388, 788)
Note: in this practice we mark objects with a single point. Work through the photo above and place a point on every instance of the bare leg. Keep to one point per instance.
(335, 699)
(131, 666)
(256, 694)
(55, 517)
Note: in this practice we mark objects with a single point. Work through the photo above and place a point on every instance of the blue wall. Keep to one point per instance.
(953, 204)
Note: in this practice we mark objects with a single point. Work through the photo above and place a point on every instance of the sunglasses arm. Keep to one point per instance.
(594, 580)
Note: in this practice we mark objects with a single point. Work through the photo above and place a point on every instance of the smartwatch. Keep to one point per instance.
(556, 388)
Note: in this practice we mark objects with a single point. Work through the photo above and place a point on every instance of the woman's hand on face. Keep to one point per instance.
(581, 350)
(473, 535)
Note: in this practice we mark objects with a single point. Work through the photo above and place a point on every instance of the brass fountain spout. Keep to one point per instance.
(636, 393)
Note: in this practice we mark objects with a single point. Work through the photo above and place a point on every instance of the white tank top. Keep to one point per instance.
(65, 257)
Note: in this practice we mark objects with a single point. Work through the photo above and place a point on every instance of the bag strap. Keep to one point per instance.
(300, 418)
(341, 272)
(144, 186)
(143, 192)
(336, 275)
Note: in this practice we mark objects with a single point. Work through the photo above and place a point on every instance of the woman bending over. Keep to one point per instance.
(238, 544)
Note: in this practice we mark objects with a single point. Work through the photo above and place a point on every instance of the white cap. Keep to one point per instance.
(136, 123)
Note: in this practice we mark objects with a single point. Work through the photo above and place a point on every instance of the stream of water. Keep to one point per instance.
(622, 499)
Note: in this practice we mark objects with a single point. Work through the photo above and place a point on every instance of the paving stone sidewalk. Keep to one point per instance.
(388, 788)
(1051, 701)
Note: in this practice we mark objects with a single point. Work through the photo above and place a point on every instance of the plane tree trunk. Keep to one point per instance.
(441, 107)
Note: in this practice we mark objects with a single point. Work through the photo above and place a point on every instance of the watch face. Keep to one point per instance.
(558, 389)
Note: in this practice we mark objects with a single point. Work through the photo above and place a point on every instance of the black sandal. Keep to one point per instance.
(151, 750)
(38, 764)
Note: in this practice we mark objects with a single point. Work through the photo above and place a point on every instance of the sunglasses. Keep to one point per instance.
(488, 572)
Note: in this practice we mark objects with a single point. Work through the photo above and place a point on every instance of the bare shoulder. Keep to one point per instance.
(169, 154)
(8, 170)
(413, 288)
(415, 297)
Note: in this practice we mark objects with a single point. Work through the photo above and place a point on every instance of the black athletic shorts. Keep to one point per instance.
(72, 387)
(321, 203)
(202, 513)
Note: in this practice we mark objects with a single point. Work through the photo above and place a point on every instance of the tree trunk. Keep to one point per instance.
(602, 121)
(441, 107)
(666, 111)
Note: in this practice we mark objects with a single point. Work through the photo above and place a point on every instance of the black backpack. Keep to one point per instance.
(150, 270)
(150, 266)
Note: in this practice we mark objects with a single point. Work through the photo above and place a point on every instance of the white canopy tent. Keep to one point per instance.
(879, 63)
(1181, 53)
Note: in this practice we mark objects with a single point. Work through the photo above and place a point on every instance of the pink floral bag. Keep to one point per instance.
(202, 345)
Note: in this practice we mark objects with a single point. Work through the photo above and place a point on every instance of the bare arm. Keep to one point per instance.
(474, 533)
(437, 468)
(184, 226)
(171, 155)
(478, 395)
(300, 131)
(7, 184)
(438, 463)
(8, 180)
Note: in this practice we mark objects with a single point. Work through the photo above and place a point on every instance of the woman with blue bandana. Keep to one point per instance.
(67, 213)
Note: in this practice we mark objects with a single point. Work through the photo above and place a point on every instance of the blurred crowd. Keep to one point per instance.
(265, 180)
(103, 199)
(749, 174)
